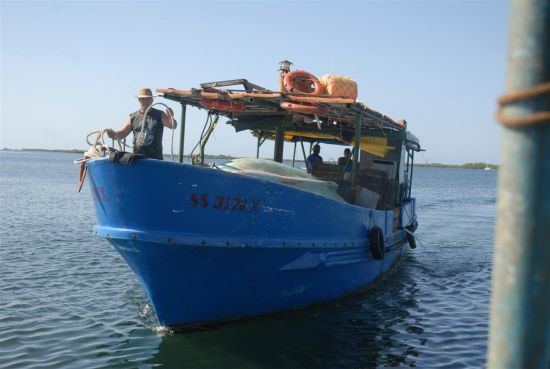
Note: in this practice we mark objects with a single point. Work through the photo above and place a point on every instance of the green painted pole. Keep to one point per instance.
(412, 169)
(294, 154)
(408, 179)
(182, 131)
(279, 144)
(258, 145)
(303, 152)
(356, 147)
(520, 305)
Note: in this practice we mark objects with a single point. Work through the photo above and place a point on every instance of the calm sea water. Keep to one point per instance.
(68, 300)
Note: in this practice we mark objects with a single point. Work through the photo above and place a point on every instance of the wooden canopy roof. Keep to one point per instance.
(260, 104)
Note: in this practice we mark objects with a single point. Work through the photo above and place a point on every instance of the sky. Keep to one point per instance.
(70, 68)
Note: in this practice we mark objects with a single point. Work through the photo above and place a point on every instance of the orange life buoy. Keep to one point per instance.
(224, 105)
(304, 108)
(300, 81)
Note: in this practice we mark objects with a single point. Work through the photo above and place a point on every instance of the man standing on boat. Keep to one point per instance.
(345, 163)
(314, 158)
(147, 129)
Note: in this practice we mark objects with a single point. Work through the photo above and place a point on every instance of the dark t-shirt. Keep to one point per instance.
(148, 143)
(347, 162)
(312, 160)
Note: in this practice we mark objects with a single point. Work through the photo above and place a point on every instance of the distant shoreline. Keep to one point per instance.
(478, 165)
(80, 151)
(71, 151)
(461, 166)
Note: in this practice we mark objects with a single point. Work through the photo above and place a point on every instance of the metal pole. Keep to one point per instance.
(258, 145)
(303, 152)
(294, 154)
(182, 131)
(520, 306)
(412, 168)
(279, 144)
(356, 148)
(406, 193)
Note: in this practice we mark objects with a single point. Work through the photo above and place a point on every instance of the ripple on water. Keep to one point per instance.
(68, 300)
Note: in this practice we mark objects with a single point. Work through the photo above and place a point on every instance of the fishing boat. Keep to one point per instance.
(212, 243)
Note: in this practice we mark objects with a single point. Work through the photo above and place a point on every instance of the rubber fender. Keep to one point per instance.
(299, 81)
(411, 240)
(376, 242)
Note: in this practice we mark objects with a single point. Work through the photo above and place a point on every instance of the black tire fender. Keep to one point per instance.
(376, 242)
(411, 240)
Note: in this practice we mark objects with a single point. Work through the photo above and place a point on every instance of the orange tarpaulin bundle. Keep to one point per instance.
(339, 86)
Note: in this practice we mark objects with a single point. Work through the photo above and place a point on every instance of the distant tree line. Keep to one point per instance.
(71, 151)
(477, 165)
(80, 151)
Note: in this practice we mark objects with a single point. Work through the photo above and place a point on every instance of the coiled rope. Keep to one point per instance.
(98, 148)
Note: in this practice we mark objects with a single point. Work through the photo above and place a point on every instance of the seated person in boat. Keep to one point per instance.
(147, 132)
(314, 158)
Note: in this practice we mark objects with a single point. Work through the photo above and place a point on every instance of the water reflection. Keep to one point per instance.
(370, 330)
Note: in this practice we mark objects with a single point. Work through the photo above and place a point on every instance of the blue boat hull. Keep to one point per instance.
(209, 245)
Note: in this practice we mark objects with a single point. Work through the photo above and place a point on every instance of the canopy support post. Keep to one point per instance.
(303, 151)
(279, 144)
(258, 145)
(182, 131)
(356, 147)
(294, 154)
(412, 168)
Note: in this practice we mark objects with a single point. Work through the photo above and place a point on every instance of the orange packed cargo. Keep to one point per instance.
(339, 86)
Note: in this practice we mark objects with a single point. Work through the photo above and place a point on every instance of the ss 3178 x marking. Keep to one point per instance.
(220, 202)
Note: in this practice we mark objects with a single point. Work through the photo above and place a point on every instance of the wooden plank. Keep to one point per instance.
(174, 91)
(216, 95)
(328, 100)
(254, 95)
(249, 86)
(207, 95)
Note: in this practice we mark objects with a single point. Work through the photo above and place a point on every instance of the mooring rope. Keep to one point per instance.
(97, 149)
(143, 130)
(521, 96)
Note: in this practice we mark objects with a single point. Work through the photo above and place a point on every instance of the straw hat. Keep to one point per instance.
(145, 93)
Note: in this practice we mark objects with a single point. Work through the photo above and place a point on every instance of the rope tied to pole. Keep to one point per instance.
(522, 96)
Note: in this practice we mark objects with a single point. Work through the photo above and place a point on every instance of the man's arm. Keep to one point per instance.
(166, 121)
(123, 132)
